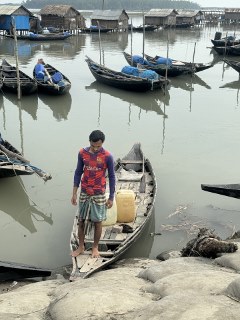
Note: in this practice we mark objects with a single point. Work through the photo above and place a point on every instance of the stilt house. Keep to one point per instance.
(190, 17)
(161, 17)
(63, 17)
(111, 19)
(232, 15)
(18, 16)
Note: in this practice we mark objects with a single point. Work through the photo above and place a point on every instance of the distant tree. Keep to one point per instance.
(130, 5)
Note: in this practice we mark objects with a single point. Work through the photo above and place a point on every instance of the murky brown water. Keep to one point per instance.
(191, 135)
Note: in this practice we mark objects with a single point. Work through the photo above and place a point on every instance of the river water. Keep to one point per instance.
(190, 134)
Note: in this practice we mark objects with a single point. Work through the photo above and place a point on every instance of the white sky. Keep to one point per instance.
(203, 3)
(218, 3)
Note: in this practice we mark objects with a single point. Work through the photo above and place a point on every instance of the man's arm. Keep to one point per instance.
(77, 178)
(111, 177)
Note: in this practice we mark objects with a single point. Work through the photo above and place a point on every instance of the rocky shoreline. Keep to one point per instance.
(192, 288)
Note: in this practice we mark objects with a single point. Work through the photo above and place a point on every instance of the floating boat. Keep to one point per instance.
(9, 79)
(123, 80)
(228, 50)
(174, 67)
(135, 183)
(94, 29)
(143, 28)
(234, 64)
(229, 190)
(62, 86)
(13, 163)
(16, 271)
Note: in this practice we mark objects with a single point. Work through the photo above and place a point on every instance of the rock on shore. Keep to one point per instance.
(189, 288)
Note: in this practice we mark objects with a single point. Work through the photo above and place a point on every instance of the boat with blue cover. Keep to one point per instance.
(129, 78)
(163, 65)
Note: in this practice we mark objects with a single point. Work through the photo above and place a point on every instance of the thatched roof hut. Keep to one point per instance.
(189, 16)
(112, 19)
(232, 14)
(61, 16)
(161, 17)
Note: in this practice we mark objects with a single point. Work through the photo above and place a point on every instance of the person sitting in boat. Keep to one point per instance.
(41, 72)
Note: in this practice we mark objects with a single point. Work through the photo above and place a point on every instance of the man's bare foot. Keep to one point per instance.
(95, 253)
(77, 252)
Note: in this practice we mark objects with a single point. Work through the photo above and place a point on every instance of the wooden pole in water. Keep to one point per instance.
(194, 50)
(166, 71)
(100, 47)
(143, 36)
(131, 43)
(16, 56)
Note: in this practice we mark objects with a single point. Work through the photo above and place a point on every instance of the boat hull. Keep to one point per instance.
(229, 190)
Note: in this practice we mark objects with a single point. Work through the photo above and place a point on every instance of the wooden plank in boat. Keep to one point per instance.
(90, 264)
(108, 233)
(121, 236)
(81, 259)
(131, 161)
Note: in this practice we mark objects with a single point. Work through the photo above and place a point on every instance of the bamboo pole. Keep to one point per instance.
(100, 46)
(194, 50)
(16, 57)
(143, 36)
(131, 42)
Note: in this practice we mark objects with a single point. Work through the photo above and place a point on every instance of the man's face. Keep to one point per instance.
(95, 146)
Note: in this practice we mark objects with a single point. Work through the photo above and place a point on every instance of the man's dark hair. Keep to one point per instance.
(96, 135)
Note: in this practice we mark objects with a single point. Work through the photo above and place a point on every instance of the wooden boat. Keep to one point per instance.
(234, 64)
(144, 28)
(175, 69)
(225, 42)
(228, 50)
(42, 36)
(12, 163)
(133, 172)
(9, 79)
(16, 271)
(94, 29)
(229, 190)
(59, 88)
(124, 81)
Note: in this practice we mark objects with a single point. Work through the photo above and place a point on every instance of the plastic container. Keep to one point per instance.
(111, 214)
(126, 209)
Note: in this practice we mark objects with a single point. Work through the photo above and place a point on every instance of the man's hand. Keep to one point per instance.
(74, 200)
(109, 203)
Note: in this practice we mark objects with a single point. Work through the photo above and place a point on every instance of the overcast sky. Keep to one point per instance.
(203, 3)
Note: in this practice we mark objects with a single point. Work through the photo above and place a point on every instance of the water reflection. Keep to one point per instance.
(27, 49)
(28, 104)
(148, 101)
(113, 41)
(235, 85)
(187, 82)
(60, 105)
(18, 205)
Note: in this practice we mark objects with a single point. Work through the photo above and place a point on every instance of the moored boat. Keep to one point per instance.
(58, 85)
(16, 271)
(229, 190)
(228, 50)
(134, 177)
(9, 79)
(174, 67)
(234, 64)
(13, 163)
(126, 81)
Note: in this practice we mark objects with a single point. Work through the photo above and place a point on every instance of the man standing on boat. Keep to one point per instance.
(93, 162)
